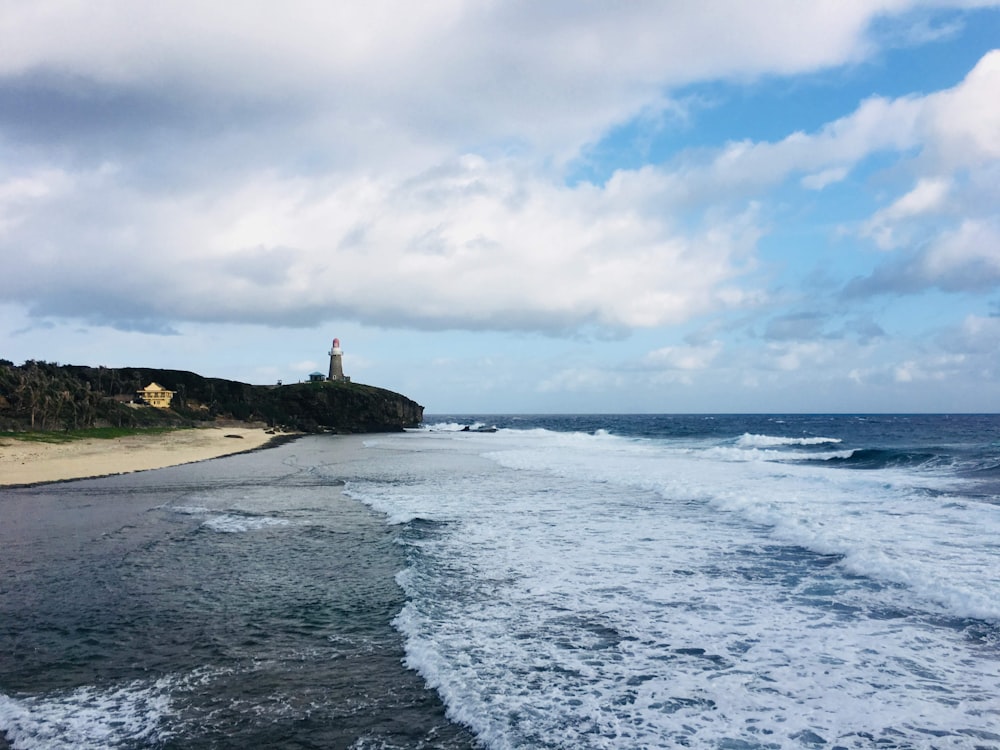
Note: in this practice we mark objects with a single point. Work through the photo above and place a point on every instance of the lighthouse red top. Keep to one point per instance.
(336, 343)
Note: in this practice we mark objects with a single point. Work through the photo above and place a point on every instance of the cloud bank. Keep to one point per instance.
(406, 165)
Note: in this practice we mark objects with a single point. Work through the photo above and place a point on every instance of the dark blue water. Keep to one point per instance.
(969, 444)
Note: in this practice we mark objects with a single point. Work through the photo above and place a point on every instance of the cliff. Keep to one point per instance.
(345, 407)
(41, 395)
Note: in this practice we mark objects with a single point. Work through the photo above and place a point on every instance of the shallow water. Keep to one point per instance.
(242, 602)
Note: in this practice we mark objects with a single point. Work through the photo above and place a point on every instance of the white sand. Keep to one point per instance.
(28, 462)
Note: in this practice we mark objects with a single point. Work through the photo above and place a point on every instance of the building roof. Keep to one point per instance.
(154, 386)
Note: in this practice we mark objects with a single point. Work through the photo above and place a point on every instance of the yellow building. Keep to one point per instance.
(156, 395)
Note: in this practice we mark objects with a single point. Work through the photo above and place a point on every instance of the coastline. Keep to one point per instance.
(26, 462)
(211, 590)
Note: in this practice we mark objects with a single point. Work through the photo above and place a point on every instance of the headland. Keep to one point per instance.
(60, 422)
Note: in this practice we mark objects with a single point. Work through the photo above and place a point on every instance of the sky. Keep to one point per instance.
(513, 206)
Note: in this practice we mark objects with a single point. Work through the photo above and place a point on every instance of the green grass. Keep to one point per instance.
(100, 433)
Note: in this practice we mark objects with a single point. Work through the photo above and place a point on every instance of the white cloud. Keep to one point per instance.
(963, 123)
(877, 125)
(976, 340)
(935, 368)
(947, 217)
(792, 356)
(399, 163)
(950, 130)
(552, 76)
(927, 196)
(19, 193)
(474, 244)
(966, 258)
(689, 358)
(906, 372)
(821, 179)
(577, 380)
(469, 242)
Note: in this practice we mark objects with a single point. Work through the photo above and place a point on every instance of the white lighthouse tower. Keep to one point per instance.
(337, 362)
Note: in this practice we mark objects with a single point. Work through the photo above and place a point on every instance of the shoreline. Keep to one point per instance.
(191, 584)
(26, 463)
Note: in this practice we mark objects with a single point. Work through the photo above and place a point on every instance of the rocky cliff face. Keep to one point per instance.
(344, 407)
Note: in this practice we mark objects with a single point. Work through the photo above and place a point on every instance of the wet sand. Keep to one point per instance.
(28, 462)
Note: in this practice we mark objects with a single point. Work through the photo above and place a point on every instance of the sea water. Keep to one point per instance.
(238, 603)
(563, 582)
(717, 582)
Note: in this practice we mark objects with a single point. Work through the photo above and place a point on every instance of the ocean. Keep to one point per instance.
(640, 581)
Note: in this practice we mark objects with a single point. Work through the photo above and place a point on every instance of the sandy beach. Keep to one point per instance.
(29, 462)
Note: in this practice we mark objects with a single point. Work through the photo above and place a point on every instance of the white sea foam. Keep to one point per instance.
(591, 591)
(769, 441)
(733, 453)
(381, 502)
(455, 426)
(141, 713)
(88, 718)
(229, 523)
(445, 427)
(186, 510)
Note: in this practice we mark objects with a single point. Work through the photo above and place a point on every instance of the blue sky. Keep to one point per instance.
(512, 206)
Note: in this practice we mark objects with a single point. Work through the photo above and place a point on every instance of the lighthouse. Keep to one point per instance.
(336, 362)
